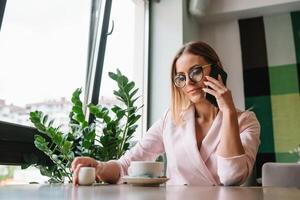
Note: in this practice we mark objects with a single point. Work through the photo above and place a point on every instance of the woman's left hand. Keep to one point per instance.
(220, 92)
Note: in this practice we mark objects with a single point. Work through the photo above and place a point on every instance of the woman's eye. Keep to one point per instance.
(196, 74)
(196, 71)
(181, 78)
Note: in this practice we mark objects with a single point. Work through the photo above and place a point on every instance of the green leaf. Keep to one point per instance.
(25, 165)
(134, 100)
(133, 93)
(86, 144)
(57, 139)
(77, 109)
(45, 118)
(90, 136)
(45, 172)
(120, 114)
(118, 98)
(113, 76)
(79, 117)
(106, 119)
(129, 87)
(51, 132)
(124, 80)
(125, 147)
(71, 155)
(116, 108)
(120, 94)
(134, 119)
(119, 72)
(30, 158)
(39, 138)
(51, 122)
(94, 109)
(40, 127)
(131, 129)
(67, 146)
(75, 96)
(41, 143)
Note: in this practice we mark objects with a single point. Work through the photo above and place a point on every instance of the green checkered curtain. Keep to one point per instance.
(271, 66)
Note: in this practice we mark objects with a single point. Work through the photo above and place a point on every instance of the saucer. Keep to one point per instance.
(144, 181)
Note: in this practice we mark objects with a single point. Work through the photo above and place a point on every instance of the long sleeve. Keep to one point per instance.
(235, 170)
(148, 148)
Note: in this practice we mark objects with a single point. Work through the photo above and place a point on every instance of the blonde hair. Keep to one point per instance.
(180, 102)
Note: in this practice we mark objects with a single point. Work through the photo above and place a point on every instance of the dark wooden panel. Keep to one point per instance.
(253, 43)
(16, 142)
(256, 82)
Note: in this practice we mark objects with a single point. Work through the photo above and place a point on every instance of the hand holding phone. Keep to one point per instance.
(215, 71)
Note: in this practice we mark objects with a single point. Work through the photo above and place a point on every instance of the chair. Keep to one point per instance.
(281, 174)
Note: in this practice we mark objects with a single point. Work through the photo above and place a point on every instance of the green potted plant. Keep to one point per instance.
(106, 137)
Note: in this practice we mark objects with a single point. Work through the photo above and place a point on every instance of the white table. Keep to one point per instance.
(107, 192)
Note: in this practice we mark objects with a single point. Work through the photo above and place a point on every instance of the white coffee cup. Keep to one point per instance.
(146, 169)
(86, 176)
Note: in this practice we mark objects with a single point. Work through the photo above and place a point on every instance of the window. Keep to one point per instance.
(43, 60)
(45, 48)
(125, 50)
(43, 56)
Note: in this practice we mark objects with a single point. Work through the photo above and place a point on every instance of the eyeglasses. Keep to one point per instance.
(195, 74)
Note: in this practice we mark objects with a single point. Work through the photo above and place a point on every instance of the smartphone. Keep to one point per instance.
(215, 71)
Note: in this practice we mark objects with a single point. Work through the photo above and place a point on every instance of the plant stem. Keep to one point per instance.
(123, 138)
(60, 165)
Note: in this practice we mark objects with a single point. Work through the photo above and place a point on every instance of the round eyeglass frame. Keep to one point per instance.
(189, 75)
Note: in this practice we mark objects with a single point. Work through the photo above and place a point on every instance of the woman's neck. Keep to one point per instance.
(205, 111)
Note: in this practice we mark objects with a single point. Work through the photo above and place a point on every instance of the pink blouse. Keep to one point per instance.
(185, 163)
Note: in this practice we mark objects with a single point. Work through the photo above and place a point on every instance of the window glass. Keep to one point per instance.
(125, 51)
(43, 55)
(43, 60)
(13, 175)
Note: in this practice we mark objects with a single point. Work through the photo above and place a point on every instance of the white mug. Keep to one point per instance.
(149, 169)
(86, 176)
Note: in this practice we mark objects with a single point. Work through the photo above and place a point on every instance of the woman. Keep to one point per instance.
(207, 141)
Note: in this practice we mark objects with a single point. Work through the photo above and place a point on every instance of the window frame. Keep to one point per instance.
(17, 141)
(97, 47)
(2, 9)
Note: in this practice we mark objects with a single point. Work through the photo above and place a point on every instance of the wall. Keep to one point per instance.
(190, 26)
(220, 10)
(171, 26)
(165, 38)
(224, 38)
(226, 6)
(271, 57)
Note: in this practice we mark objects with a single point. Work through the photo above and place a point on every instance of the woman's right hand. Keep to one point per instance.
(79, 162)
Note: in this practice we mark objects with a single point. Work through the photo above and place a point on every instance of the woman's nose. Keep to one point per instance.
(189, 81)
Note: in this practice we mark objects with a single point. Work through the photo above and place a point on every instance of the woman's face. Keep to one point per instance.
(184, 64)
